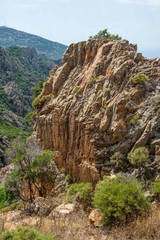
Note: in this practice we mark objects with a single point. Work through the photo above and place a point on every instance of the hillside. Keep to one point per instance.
(90, 170)
(20, 70)
(12, 37)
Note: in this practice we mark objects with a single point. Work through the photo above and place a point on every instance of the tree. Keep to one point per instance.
(32, 168)
(105, 34)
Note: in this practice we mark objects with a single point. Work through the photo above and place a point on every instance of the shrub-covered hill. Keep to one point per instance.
(20, 70)
(12, 37)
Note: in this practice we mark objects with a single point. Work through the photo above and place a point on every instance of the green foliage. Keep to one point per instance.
(156, 188)
(36, 102)
(94, 79)
(25, 233)
(13, 206)
(29, 118)
(2, 197)
(105, 34)
(140, 78)
(117, 159)
(30, 165)
(139, 156)
(76, 89)
(120, 198)
(38, 89)
(69, 178)
(82, 191)
(12, 132)
(135, 119)
(39, 101)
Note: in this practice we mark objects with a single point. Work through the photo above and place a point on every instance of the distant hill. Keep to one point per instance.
(12, 37)
(21, 68)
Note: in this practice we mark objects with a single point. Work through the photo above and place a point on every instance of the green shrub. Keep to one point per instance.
(29, 118)
(2, 197)
(105, 34)
(119, 198)
(39, 101)
(76, 89)
(24, 233)
(139, 156)
(116, 157)
(135, 119)
(94, 79)
(36, 102)
(38, 89)
(83, 192)
(69, 178)
(156, 188)
(140, 78)
(14, 206)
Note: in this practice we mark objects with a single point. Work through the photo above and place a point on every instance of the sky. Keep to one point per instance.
(68, 21)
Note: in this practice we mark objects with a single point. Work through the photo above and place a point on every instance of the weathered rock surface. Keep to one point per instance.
(92, 104)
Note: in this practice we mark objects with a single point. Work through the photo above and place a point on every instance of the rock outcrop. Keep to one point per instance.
(92, 108)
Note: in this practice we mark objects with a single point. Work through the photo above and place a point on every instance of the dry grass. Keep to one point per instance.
(76, 226)
(147, 228)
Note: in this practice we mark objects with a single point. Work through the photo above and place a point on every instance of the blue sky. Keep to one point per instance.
(68, 21)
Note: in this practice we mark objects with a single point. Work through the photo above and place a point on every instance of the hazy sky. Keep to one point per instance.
(68, 21)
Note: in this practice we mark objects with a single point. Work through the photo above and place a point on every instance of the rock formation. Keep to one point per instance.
(91, 108)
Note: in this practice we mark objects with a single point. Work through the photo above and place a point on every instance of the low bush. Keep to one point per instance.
(140, 78)
(155, 188)
(82, 191)
(135, 119)
(24, 233)
(120, 198)
(39, 101)
(2, 197)
(139, 156)
(116, 158)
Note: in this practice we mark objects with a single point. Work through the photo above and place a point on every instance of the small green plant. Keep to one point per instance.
(25, 233)
(76, 89)
(94, 79)
(135, 119)
(140, 78)
(29, 118)
(120, 198)
(139, 156)
(36, 102)
(117, 159)
(39, 101)
(13, 206)
(69, 178)
(82, 191)
(38, 89)
(155, 188)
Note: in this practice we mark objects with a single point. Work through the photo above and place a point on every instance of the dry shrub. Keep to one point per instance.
(147, 228)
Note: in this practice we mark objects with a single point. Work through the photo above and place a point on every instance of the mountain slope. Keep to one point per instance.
(20, 70)
(12, 37)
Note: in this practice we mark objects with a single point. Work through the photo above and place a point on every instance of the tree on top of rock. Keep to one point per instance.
(105, 34)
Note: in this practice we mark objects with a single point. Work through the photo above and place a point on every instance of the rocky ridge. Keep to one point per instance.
(93, 109)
